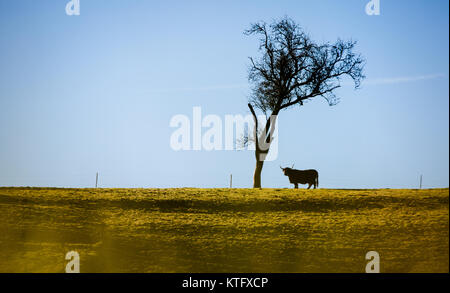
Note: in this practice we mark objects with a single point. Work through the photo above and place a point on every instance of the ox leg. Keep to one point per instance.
(296, 185)
(309, 185)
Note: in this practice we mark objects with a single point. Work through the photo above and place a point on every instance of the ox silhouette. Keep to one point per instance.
(296, 177)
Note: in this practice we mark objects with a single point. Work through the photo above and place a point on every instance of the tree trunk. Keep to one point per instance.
(257, 174)
(266, 139)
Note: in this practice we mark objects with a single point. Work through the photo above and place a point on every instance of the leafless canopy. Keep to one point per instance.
(293, 68)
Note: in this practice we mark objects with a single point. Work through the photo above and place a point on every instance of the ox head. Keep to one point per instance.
(286, 170)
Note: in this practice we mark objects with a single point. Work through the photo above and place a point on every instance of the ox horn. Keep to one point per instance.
(293, 166)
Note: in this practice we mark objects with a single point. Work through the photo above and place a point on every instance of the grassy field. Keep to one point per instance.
(223, 230)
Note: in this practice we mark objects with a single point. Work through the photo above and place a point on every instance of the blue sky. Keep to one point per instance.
(96, 92)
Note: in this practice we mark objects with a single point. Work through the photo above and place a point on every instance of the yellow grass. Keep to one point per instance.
(223, 230)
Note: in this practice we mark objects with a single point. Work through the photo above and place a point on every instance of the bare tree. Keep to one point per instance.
(293, 69)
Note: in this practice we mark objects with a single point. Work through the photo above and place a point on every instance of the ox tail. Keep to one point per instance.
(317, 180)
